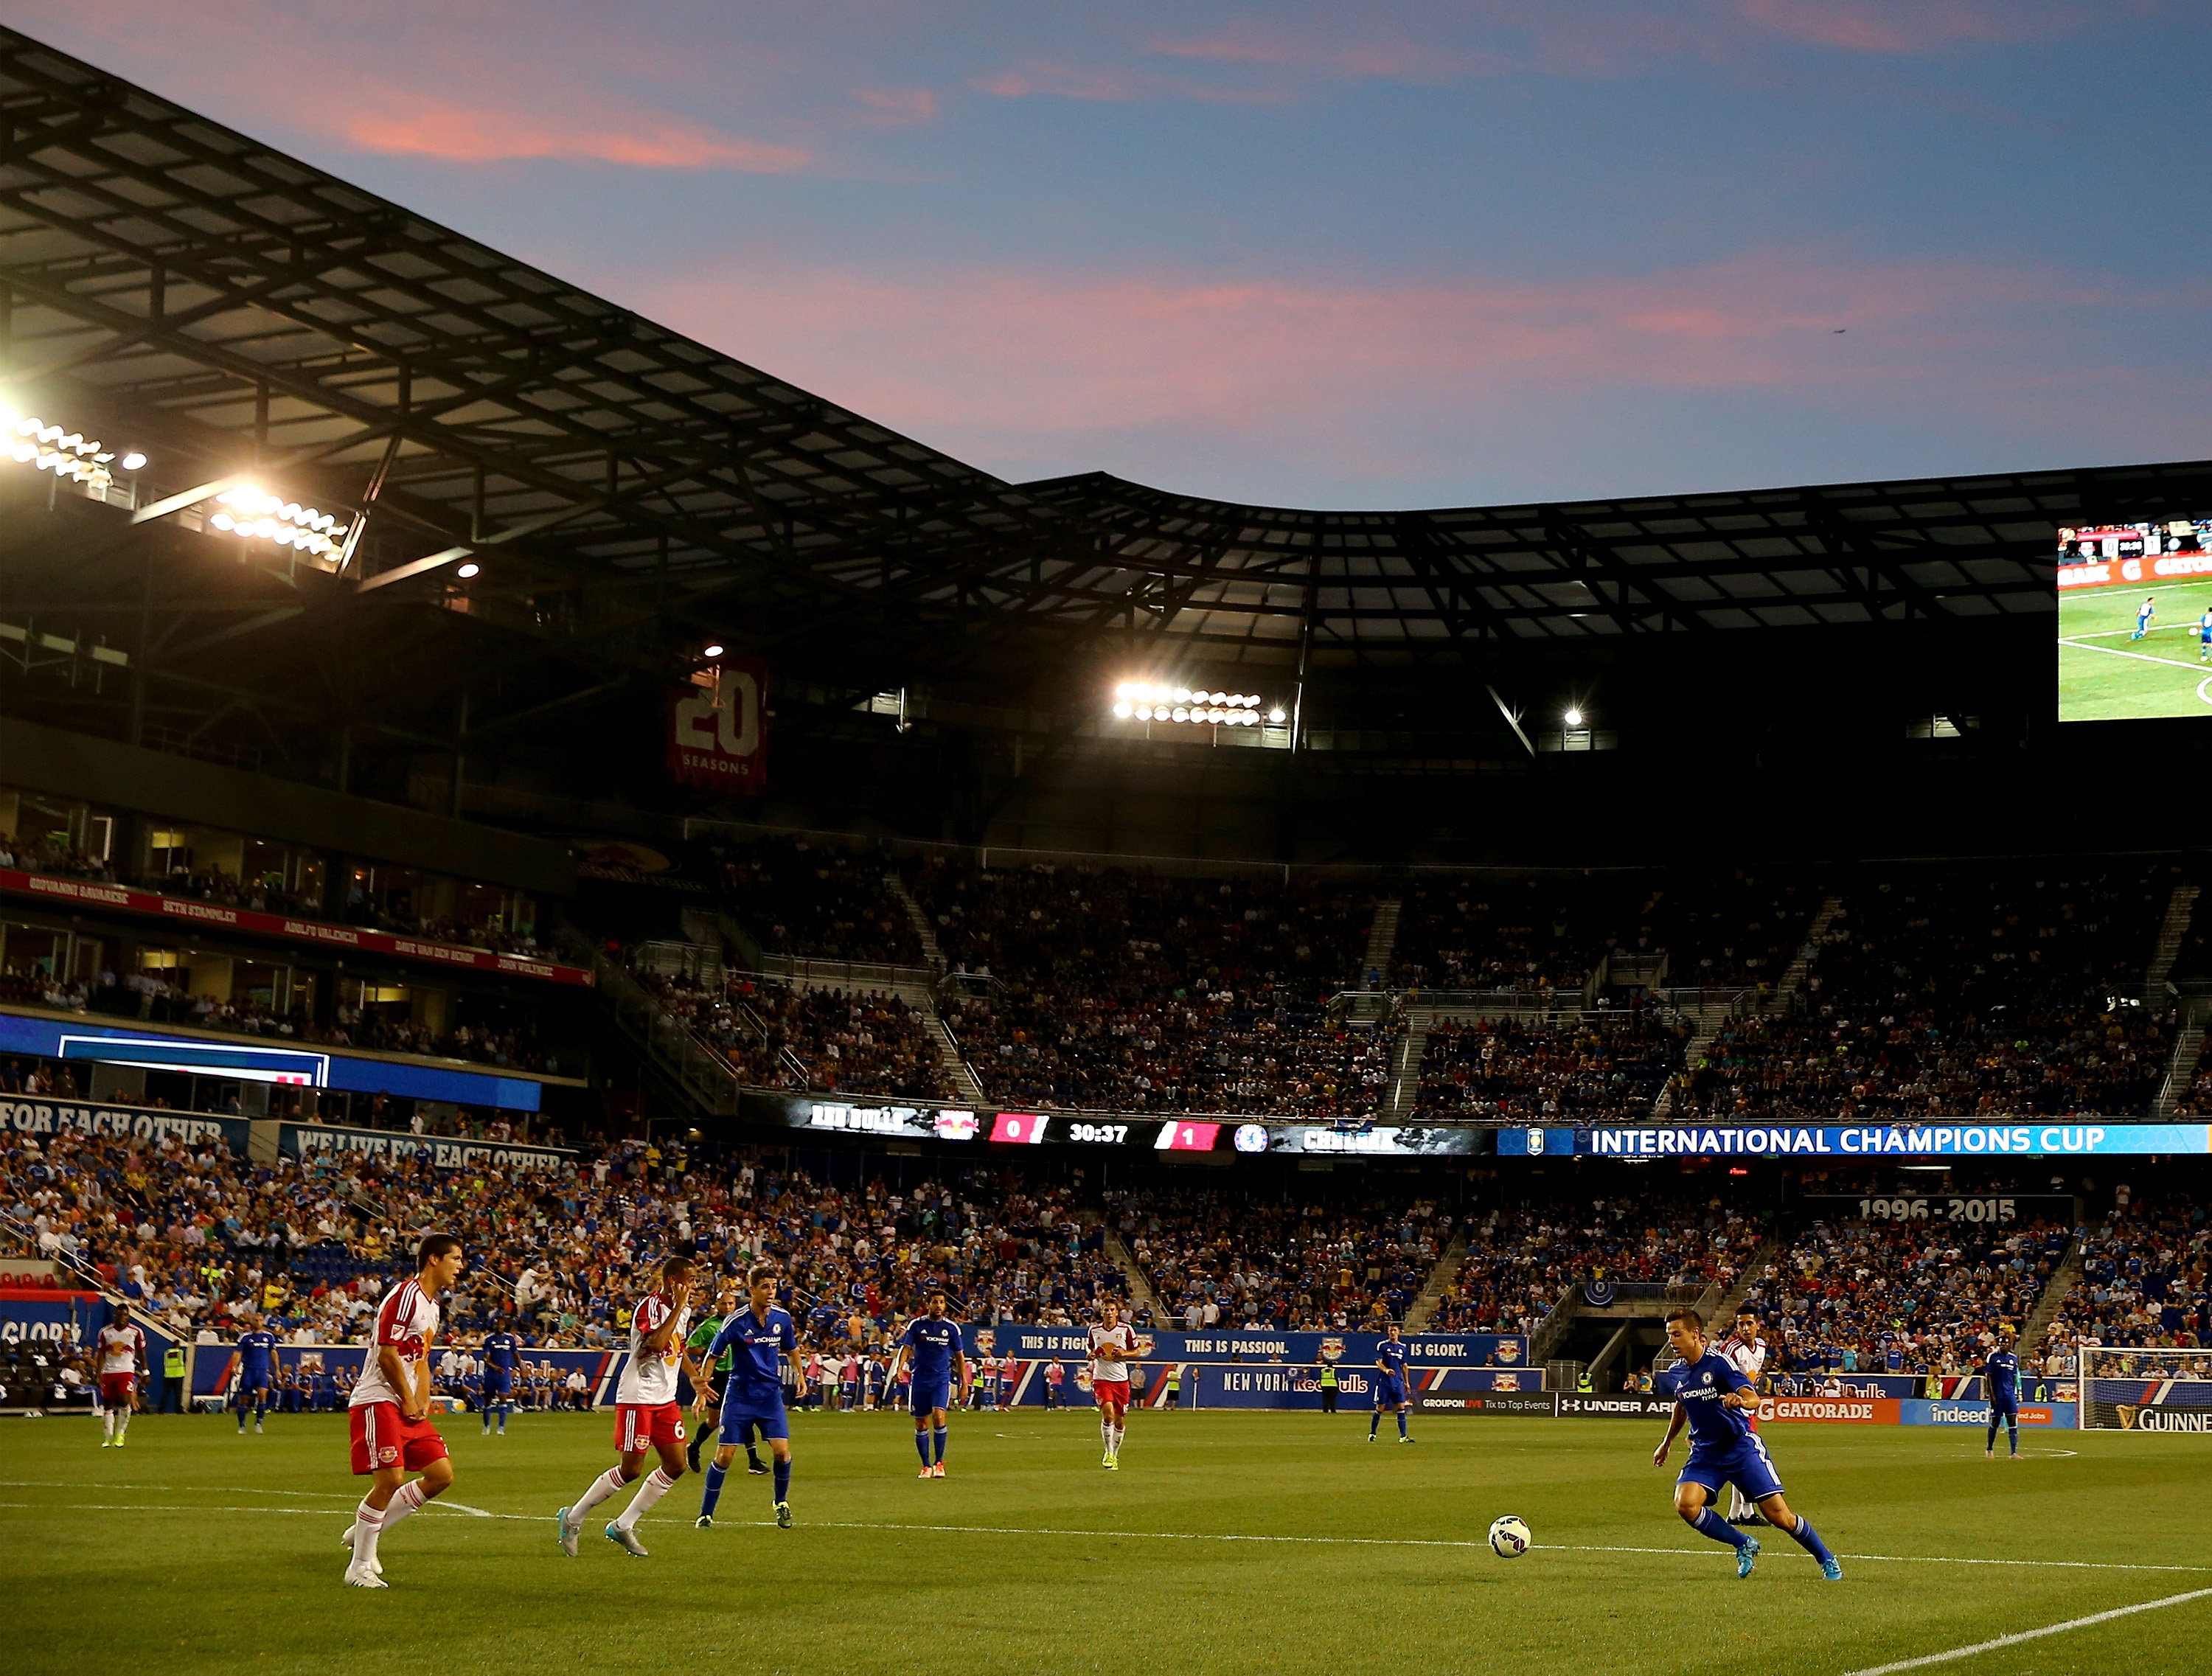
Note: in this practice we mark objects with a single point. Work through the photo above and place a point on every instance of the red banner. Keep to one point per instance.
(318, 932)
(717, 733)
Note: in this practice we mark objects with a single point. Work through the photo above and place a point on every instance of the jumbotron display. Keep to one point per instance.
(2135, 620)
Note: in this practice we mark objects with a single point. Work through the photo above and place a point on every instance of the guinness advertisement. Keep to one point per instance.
(2150, 1417)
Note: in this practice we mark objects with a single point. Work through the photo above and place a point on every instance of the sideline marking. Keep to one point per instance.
(1716, 1552)
(2031, 1635)
(2140, 657)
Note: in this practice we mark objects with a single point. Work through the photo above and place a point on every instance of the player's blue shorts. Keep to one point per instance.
(498, 1382)
(248, 1384)
(926, 1397)
(2001, 1410)
(1746, 1463)
(740, 1412)
(1389, 1393)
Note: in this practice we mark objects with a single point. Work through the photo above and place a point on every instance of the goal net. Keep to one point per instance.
(2127, 1388)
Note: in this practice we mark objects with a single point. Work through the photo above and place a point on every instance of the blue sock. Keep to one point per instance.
(783, 1480)
(1991, 1442)
(1810, 1539)
(1710, 1523)
(1401, 1422)
(2012, 1437)
(713, 1492)
(503, 1411)
(938, 1438)
(1374, 1423)
(921, 1446)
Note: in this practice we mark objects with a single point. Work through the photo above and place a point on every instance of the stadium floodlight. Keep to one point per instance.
(1278, 715)
(1122, 710)
(29, 441)
(134, 461)
(1573, 718)
(252, 513)
(711, 652)
(468, 570)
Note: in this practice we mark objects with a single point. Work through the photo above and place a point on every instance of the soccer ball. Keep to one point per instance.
(1509, 1537)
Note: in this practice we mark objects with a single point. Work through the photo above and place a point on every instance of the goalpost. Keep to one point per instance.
(2121, 1387)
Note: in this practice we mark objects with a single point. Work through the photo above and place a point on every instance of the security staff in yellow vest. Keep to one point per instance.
(1328, 1388)
(173, 1381)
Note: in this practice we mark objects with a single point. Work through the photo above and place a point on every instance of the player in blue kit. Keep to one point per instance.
(502, 1350)
(932, 1344)
(1390, 1385)
(2001, 1385)
(2144, 613)
(257, 1371)
(1712, 1394)
(2204, 636)
(758, 1339)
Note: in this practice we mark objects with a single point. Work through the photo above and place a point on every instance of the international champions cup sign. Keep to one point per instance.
(717, 730)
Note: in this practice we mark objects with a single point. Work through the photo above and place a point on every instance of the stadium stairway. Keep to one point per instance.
(923, 1000)
(2063, 1281)
(1141, 1289)
(1423, 1310)
(932, 953)
(1382, 944)
(2181, 1069)
(1768, 1252)
(2180, 907)
(1712, 1016)
(1406, 1074)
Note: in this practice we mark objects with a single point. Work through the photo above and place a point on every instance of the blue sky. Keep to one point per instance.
(1349, 255)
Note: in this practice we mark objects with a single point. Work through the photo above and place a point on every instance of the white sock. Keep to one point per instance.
(657, 1484)
(122, 1421)
(108, 1421)
(404, 1500)
(602, 1487)
(367, 1523)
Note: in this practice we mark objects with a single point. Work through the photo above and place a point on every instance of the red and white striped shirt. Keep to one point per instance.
(648, 1379)
(406, 1321)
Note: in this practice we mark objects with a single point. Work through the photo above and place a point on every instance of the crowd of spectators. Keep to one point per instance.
(1135, 992)
(1739, 928)
(1993, 991)
(1522, 1259)
(1606, 1065)
(830, 1040)
(1505, 934)
(1852, 1296)
(2144, 1276)
(819, 900)
(1300, 1263)
(1263, 1052)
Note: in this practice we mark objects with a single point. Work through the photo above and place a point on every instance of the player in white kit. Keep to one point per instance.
(647, 1418)
(390, 1414)
(1113, 1348)
(121, 1347)
(1744, 1351)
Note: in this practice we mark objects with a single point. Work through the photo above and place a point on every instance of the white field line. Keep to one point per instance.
(1716, 1551)
(2031, 1635)
(2140, 657)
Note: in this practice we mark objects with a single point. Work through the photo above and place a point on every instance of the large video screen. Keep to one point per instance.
(2135, 620)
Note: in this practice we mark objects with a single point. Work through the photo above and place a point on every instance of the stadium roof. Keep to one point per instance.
(238, 309)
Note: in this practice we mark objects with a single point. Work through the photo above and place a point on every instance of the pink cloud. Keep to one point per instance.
(1387, 60)
(425, 127)
(1060, 81)
(1900, 27)
(899, 104)
(1027, 372)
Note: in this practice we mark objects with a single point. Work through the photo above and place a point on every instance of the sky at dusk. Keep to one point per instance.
(1347, 255)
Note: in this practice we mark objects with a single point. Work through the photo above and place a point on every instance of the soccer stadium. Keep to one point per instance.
(555, 883)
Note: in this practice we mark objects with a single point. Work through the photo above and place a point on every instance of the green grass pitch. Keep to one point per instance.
(2104, 676)
(1228, 1542)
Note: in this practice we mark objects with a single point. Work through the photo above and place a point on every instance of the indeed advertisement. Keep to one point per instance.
(1900, 1140)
